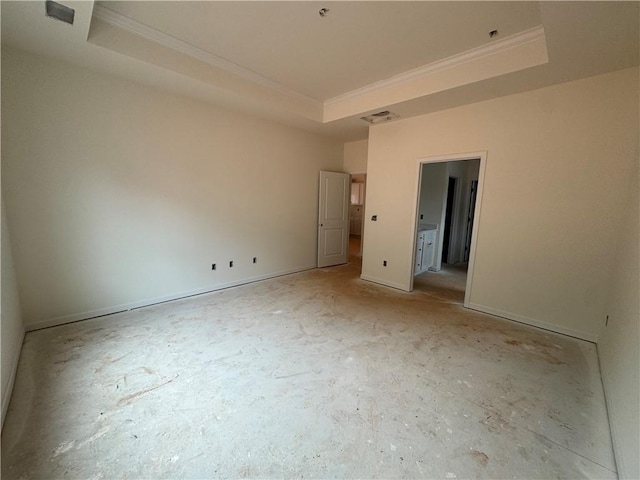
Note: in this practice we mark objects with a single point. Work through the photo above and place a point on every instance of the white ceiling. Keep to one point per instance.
(283, 61)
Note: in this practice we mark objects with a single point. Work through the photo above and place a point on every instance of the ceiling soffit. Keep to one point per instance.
(516, 52)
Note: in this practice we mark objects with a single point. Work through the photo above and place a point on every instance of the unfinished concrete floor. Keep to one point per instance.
(315, 375)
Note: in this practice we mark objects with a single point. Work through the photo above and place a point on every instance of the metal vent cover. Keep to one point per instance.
(59, 12)
(379, 117)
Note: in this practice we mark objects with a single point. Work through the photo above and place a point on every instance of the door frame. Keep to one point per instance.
(468, 236)
(362, 221)
(364, 205)
(482, 156)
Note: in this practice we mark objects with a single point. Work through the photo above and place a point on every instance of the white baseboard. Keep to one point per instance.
(384, 282)
(611, 414)
(534, 323)
(52, 322)
(6, 392)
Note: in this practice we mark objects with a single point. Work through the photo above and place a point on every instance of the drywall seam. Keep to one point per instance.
(386, 283)
(533, 322)
(620, 467)
(8, 388)
(53, 322)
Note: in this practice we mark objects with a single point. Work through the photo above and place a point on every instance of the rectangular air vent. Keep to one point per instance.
(60, 12)
(379, 117)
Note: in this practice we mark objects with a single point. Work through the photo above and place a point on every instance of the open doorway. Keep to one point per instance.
(447, 204)
(448, 219)
(356, 214)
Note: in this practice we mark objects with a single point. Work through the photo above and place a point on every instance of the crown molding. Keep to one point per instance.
(513, 41)
(125, 23)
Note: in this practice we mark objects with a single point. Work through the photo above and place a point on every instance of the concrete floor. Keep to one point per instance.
(315, 375)
(355, 243)
(448, 284)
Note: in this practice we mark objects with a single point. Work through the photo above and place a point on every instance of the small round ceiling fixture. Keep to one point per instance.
(323, 12)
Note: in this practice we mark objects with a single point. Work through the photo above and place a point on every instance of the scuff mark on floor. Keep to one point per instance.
(63, 447)
(127, 399)
(100, 433)
(481, 457)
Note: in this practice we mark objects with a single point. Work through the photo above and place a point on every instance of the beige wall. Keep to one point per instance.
(119, 195)
(556, 160)
(619, 343)
(11, 327)
(355, 156)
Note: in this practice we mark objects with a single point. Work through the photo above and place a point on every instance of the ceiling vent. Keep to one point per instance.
(60, 12)
(380, 117)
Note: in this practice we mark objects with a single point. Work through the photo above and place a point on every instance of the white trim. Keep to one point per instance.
(53, 322)
(613, 431)
(517, 40)
(533, 322)
(474, 230)
(123, 22)
(386, 283)
(161, 38)
(8, 389)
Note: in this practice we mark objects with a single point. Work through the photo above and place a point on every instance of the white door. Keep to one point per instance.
(333, 218)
